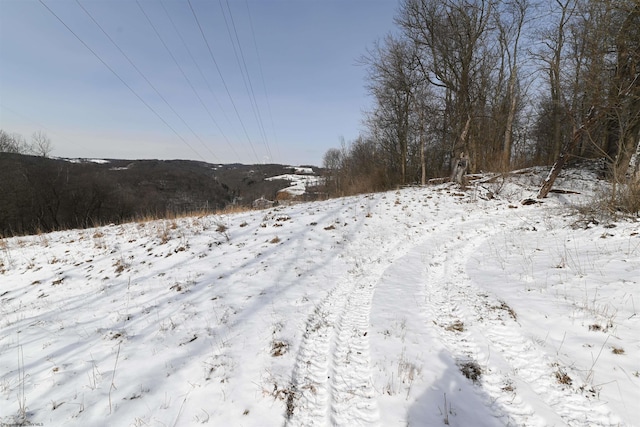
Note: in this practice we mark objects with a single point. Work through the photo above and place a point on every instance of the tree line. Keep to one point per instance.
(40, 144)
(40, 194)
(509, 83)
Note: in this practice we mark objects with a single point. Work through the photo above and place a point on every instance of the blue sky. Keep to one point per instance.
(304, 89)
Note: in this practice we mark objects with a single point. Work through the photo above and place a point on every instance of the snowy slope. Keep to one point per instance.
(299, 181)
(423, 306)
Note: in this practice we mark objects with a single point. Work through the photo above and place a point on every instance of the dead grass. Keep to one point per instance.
(457, 326)
(143, 219)
(627, 198)
(233, 209)
(279, 348)
(119, 266)
(562, 377)
(504, 306)
(288, 394)
(623, 200)
(471, 370)
(508, 386)
(164, 234)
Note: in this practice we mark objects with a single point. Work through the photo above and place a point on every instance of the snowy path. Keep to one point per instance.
(512, 376)
(332, 379)
(423, 306)
(516, 373)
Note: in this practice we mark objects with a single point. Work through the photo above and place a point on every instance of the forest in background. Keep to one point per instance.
(509, 83)
(40, 194)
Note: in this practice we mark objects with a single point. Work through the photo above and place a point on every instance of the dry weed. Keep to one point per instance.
(279, 348)
(457, 326)
(617, 350)
(471, 370)
(563, 378)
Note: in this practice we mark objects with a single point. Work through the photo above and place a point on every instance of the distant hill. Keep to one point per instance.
(40, 194)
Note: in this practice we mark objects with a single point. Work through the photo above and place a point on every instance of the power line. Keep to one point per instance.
(145, 78)
(264, 86)
(223, 81)
(244, 71)
(186, 46)
(121, 79)
(180, 68)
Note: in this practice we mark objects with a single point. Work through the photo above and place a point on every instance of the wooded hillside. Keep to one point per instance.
(42, 194)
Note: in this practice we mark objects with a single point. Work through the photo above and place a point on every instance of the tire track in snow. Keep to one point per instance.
(310, 394)
(331, 381)
(445, 302)
(353, 394)
(531, 378)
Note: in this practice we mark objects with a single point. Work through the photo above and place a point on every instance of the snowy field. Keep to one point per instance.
(420, 307)
(298, 182)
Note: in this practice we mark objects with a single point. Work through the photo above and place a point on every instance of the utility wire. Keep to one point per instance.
(264, 86)
(235, 51)
(146, 79)
(223, 81)
(122, 80)
(244, 71)
(180, 68)
(204, 78)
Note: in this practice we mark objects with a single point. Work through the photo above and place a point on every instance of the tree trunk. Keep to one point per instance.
(635, 172)
(460, 168)
(423, 160)
(462, 141)
(628, 145)
(508, 132)
(566, 152)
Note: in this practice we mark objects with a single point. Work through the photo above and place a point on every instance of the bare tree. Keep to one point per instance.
(41, 144)
(393, 81)
(551, 57)
(457, 78)
(451, 39)
(332, 162)
(604, 54)
(626, 84)
(12, 143)
(510, 20)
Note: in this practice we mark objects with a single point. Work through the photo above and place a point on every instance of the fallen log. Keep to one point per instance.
(564, 154)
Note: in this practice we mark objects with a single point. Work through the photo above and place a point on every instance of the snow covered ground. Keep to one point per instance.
(423, 306)
(299, 181)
